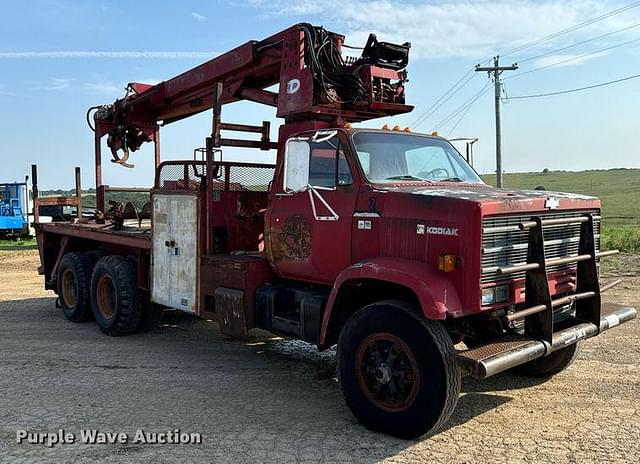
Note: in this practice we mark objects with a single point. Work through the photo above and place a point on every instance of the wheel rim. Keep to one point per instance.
(69, 288)
(387, 372)
(105, 296)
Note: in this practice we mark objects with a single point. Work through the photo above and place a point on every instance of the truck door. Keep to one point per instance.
(310, 216)
(174, 258)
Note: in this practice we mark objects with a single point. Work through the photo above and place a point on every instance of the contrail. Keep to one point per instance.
(116, 54)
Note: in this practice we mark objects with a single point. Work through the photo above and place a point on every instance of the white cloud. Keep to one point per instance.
(561, 60)
(55, 83)
(101, 54)
(105, 87)
(198, 16)
(448, 28)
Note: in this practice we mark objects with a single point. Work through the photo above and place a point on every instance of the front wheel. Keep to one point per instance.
(397, 370)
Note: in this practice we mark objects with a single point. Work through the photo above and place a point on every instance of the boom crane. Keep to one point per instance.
(316, 84)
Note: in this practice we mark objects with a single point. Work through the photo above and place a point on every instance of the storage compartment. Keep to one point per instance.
(291, 310)
(240, 272)
(175, 251)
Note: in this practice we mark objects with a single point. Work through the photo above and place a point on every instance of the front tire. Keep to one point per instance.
(115, 298)
(397, 370)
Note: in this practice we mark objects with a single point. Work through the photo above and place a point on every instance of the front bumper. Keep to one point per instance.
(511, 351)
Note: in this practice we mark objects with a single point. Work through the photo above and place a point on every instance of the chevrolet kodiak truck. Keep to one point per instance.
(385, 243)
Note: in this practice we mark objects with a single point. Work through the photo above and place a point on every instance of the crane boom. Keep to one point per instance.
(315, 83)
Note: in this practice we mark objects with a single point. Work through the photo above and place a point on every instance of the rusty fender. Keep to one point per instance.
(435, 292)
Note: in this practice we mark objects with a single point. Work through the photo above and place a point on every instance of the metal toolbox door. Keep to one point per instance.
(184, 252)
(175, 251)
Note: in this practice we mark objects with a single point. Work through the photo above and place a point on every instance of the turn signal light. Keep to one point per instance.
(407, 129)
(396, 127)
(435, 134)
(347, 125)
(448, 263)
(385, 127)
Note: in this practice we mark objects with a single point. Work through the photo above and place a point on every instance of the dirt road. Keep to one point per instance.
(274, 400)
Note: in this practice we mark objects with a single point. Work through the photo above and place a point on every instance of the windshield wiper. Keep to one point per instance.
(453, 179)
(408, 177)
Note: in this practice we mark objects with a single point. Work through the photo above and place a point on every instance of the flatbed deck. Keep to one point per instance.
(129, 235)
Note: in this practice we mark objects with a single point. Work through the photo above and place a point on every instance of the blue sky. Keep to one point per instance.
(59, 57)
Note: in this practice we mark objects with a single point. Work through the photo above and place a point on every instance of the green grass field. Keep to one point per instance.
(28, 244)
(619, 190)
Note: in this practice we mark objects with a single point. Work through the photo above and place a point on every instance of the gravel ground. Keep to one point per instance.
(275, 400)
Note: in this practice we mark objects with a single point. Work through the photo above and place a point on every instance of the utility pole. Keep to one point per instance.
(496, 70)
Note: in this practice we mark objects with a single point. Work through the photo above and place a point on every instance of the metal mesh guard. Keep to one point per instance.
(190, 175)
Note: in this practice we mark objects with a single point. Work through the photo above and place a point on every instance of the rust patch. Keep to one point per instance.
(294, 240)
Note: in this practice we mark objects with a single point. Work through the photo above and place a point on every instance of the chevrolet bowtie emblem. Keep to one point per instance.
(552, 203)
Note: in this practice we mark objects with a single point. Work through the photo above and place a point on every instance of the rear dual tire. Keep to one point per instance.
(74, 286)
(108, 293)
(115, 298)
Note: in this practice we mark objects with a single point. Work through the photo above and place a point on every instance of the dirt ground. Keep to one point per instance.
(275, 400)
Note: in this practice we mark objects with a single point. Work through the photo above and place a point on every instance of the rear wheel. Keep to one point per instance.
(549, 365)
(115, 297)
(74, 286)
(397, 370)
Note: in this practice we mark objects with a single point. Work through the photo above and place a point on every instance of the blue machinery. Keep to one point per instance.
(14, 210)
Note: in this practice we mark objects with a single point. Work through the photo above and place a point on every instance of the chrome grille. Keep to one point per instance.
(501, 249)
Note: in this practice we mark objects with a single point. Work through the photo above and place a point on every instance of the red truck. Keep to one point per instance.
(384, 242)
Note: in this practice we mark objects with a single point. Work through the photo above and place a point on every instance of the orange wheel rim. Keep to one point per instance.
(105, 296)
(69, 288)
(387, 372)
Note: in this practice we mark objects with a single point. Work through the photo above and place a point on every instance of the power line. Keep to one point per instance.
(574, 58)
(572, 28)
(442, 100)
(579, 43)
(464, 114)
(562, 92)
(462, 107)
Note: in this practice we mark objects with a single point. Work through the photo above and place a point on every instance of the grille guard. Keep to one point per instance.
(539, 338)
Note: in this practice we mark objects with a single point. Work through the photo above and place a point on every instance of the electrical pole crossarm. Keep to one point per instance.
(513, 67)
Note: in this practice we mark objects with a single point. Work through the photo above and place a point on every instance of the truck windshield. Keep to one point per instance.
(389, 157)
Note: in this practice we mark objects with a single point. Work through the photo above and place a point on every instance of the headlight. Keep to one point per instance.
(493, 295)
(488, 296)
(502, 293)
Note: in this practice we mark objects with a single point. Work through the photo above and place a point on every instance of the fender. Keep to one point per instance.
(436, 293)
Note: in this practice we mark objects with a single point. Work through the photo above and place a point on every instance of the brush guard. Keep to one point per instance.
(541, 336)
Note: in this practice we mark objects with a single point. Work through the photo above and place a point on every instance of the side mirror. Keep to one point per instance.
(296, 165)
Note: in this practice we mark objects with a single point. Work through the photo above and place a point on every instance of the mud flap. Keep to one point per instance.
(229, 303)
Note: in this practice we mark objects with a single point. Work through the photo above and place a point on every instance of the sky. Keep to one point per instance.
(58, 57)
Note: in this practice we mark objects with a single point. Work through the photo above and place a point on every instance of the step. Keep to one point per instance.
(512, 350)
